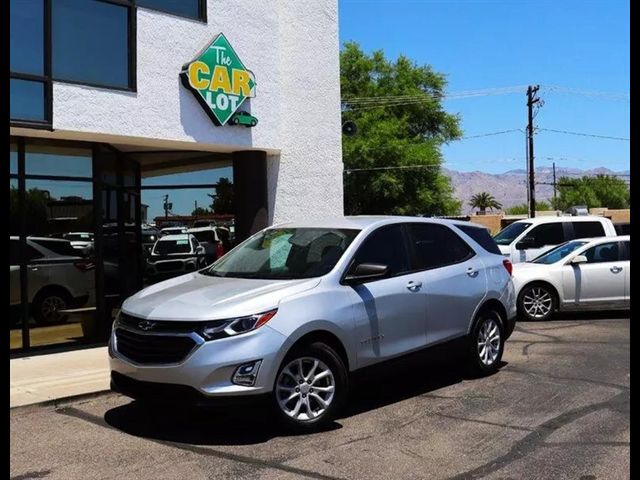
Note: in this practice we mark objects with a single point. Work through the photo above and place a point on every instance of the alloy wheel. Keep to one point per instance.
(305, 389)
(537, 302)
(51, 308)
(489, 342)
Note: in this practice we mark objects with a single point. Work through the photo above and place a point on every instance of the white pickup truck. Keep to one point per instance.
(526, 239)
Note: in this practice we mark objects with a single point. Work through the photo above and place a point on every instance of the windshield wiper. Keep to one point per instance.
(212, 273)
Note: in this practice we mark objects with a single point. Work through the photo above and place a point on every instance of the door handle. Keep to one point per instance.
(473, 273)
(33, 269)
(616, 269)
(414, 286)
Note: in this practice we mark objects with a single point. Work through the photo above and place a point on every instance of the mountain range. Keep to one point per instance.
(510, 188)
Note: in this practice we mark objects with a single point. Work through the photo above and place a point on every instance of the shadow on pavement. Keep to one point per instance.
(583, 315)
(372, 388)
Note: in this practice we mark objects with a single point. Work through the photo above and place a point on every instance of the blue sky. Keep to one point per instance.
(582, 45)
(479, 44)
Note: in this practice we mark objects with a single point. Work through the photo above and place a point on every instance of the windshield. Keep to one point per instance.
(284, 254)
(510, 233)
(558, 253)
(167, 247)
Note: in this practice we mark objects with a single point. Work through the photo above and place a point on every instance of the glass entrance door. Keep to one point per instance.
(118, 193)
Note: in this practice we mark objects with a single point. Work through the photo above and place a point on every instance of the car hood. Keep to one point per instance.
(199, 297)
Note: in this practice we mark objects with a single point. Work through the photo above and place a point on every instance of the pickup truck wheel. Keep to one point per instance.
(310, 387)
(48, 304)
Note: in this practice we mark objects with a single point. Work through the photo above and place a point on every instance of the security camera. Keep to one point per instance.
(349, 128)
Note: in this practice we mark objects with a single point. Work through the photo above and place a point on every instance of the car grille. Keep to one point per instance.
(153, 349)
(169, 266)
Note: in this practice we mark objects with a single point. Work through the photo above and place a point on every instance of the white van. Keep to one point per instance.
(526, 239)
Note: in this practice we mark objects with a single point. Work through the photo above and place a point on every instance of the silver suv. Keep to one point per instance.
(290, 312)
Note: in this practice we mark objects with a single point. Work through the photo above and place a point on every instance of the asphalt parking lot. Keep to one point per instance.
(558, 409)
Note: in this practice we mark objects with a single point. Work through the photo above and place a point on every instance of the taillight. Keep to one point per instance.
(84, 265)
(508, 265)
(219, 250)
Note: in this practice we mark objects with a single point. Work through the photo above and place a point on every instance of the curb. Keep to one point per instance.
(64, 400)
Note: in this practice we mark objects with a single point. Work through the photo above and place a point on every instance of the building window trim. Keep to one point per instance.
(202, 11)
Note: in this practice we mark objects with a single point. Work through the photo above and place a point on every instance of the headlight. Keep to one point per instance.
(235, 326)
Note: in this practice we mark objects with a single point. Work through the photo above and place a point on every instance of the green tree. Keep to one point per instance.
(197, 212)
(523, 208)
(484, 200)
(223, 199)
(395, 134)
(599, 191)
(36, 210)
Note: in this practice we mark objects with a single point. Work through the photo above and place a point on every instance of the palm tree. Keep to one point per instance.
(484, 200)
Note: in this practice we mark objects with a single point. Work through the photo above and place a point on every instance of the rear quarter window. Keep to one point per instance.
(588, 229)
(60, 247)
(482, 237)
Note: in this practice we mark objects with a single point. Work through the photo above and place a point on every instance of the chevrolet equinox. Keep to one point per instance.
(289, 313)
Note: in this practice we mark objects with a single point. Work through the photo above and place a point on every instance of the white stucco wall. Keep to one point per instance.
(292, 48)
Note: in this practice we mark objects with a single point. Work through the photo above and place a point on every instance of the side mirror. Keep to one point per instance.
(365, 272)
(525, 243)
(578, 259)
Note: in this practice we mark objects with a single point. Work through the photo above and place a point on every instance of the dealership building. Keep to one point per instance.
(108, 97)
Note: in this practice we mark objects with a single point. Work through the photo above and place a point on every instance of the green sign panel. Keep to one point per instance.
(220, 82)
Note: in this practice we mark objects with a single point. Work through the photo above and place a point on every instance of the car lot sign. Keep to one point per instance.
(219, 80)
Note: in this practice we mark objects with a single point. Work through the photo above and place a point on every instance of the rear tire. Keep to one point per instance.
(47, 304)
(311, 387)
(485, 344)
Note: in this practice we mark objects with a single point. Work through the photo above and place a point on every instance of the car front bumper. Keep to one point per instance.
(208, 369)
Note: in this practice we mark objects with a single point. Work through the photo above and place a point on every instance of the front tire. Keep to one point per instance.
(310, 387)
(537, 302)
(486, 344)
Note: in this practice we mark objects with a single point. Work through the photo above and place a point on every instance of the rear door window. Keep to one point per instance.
(57, 246)
(588, 229)
(605, 252)
(437, 246)
(548, 234)
(625, 253)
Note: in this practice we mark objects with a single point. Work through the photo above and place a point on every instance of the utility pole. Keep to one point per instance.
(531, 101)
(554, 185)
(166, 207)
(195, 209)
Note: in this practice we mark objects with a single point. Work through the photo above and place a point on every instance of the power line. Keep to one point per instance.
(362, 103)
(625, 96)
(583, 134)
(490, 134)
(402, 167)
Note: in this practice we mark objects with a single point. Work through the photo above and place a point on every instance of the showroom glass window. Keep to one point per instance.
(52, 254)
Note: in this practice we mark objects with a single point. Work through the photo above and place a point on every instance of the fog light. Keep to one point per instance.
(246, 374)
